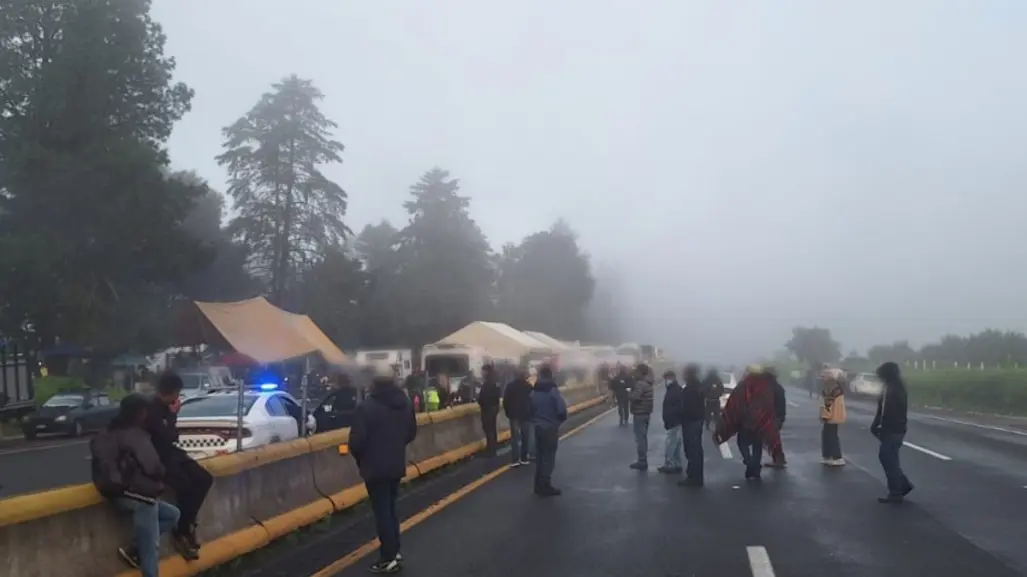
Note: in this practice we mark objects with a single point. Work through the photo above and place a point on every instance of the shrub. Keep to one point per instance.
(993, 391)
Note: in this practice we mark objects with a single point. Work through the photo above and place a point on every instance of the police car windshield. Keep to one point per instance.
(217, 406)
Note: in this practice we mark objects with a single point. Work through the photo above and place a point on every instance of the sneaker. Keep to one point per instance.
(891, 499)
(836, 463)
(399, 557)
(640, 466)
(524, 462)
(690, 482)
(548, 492)
(130, 556)
(825, 461)
(516, 463)
(185, 547)
(391, 566)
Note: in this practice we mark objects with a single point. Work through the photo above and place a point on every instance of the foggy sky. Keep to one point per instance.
(749, 166)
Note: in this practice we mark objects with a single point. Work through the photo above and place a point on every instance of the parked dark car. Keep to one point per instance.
(336, 411)
(70, 414)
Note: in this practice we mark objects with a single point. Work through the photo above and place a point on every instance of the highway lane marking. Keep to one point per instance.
(4, 452)
(367, 548)
(793, 404)
(978, 425)
(926, 451)
(759, 561)
(725, 451)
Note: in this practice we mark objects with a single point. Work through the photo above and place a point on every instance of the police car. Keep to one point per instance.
(208, 425)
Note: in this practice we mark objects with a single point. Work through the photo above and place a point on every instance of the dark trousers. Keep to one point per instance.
(488, 425)
(383, 495)
(691, 435)
(547, 438)
(191, 483)
(712, 412)
(888, 454)
(830, 444)
(750, 446)
(622, 408)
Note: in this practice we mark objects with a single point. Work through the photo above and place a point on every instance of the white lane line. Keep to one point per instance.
(759, 562)
(725, 451)
(793, 404)
(978, 425)
(926, 451)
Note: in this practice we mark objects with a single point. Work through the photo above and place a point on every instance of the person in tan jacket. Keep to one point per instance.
(832, 414)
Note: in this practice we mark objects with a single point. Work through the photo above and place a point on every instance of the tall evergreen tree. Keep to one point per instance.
(290, 215)
(445, 266)
(91, 234)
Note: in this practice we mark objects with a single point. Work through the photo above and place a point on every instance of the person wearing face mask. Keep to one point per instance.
(672, 409)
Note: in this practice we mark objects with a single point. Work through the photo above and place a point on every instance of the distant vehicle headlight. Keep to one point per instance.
(61, 418)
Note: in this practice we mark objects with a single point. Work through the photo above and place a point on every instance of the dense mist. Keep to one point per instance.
(732, 169)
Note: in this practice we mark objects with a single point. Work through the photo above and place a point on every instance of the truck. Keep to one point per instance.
(401, 360)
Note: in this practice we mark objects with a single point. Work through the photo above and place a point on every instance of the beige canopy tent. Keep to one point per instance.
(496, 338)
(261, 331)
(549, 341)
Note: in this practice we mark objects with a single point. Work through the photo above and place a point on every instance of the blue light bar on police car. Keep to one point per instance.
(268, 386)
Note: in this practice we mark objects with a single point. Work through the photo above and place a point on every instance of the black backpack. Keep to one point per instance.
(107, 465)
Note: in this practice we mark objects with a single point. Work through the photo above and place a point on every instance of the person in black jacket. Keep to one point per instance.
(190, 481)
(517, 406)
(777, 460)
(672, 409)
(889, 427)
(693, 404)
(620, 384)
(713, 388)
(383, 426)
(488, 401)
(127, 470)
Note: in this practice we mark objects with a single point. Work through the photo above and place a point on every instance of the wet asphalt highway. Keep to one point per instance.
(968, 515)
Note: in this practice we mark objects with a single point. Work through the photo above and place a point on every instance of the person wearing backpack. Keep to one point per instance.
(127, 470)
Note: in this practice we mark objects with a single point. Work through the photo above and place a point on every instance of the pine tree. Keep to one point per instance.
(290, 215)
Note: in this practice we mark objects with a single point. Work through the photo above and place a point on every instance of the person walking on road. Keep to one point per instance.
(548, 412)
(620, 384)
(714, 389)
(749, 413)
(889, 427)
(127, 470)
(187, 478)
(777, 460)
(641, 405)
(517, 406)
(383, 426)
(693, 402)
(832, 415)
(672, 410)
(488, 400)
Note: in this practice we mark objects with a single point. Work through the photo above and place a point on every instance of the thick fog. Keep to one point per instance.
(745, 166)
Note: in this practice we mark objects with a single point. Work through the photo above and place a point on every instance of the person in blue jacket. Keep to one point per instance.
(548, 412)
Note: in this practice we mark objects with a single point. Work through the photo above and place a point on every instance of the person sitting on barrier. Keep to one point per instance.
(517, 406)
(548, 411)
(383, 426)
(127, 470)
(488, 401)
(189, 480)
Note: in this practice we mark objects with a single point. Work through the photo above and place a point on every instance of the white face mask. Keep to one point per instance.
(668, 381)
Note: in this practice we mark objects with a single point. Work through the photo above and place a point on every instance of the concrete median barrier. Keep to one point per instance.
(257, 496)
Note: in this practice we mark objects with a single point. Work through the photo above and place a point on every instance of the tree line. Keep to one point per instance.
(991, 347)
(101, 241)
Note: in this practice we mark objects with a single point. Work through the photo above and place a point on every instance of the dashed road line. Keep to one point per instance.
(759, 561)
(926, 451)
(978, 425)
(725, 451)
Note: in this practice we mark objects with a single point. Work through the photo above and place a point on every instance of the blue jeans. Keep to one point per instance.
(520, 440)
(641, 425)
(672, 460)
(691, 436)
(149, 522)
(888, 454)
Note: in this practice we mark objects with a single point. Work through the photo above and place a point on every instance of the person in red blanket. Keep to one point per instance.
(750, 413)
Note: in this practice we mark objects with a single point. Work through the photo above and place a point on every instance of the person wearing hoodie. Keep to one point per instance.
(693, 405)
(620, 384)
(889, 427)
(488, 401)
(641, 398)
(127, 470)
(383, 425)
(777, 459)
(517, 406)
(548, 412)
(672, 409)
